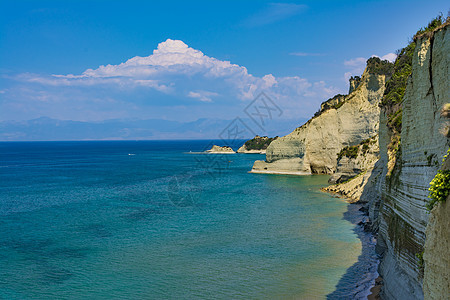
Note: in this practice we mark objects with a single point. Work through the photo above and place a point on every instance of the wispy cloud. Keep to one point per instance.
(356, 62)
(306, 54)
(390, 57)
(273, 13)
(203, 96)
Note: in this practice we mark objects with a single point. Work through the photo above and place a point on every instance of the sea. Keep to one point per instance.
(163, 220)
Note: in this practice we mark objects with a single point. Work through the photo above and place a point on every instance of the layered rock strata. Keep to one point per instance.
(396, 188)
(404, 194)
(436, 282)
(313, 147)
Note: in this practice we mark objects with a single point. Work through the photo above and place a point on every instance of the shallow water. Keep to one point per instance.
(139, 220)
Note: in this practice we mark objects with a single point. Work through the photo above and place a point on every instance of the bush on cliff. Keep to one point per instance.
(439, 188)
(348, 151)
(432, 26)
(259, 143)
(396, 85)
(379, 67)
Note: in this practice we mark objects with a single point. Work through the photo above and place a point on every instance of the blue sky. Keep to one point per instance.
(212, 57)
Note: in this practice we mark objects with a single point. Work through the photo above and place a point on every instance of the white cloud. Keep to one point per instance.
(347, 76)
(273, 13)
(390, 57)
(203, 96)
(171, 56)
(167, 69)
(358, 64)
(176, 71)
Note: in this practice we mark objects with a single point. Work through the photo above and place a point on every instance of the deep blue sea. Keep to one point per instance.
(158, 220)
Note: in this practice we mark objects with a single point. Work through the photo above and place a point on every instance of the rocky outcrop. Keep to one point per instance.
(313, 147)
(353, 160)
(353, 173)
(436, 282)
(331, 103)
(257, 145)
(220, 150)
(354, 83)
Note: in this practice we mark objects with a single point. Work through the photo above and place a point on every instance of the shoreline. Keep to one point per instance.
(361, 280)
(252, 152)
(364, 273)
(280, 172)
(206, 152)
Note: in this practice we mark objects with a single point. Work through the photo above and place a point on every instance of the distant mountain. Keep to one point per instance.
(48, 129)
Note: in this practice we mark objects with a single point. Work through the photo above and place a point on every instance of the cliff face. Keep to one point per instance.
(313, 147)
(353, 160)
(403, 216)
(353, 173)
(436, 282)
(413, 137)
(396, 187)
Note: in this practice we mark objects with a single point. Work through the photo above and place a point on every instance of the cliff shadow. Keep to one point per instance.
(359, 278)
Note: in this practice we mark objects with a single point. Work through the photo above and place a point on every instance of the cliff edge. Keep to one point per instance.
(343, 121)
(412, 142)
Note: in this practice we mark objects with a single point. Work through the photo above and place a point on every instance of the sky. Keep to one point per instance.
(181, 61)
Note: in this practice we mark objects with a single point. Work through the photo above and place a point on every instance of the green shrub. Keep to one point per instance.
(435, 23)
(259, 143)
(338, 105)
(348, 151)
(395, 121)
(439, 188)
(365, 148)
(396, 85)
(379, 67)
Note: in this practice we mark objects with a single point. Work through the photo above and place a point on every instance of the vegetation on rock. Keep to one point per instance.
(259, 143)
(392, 102)
(434, 24)
(355, 78)
(379, 67)
(396, 85)
(439, 188)
(353, 151)
(330, 103)
(348, 151)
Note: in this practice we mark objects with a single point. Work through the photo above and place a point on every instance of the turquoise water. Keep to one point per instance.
(143, 220)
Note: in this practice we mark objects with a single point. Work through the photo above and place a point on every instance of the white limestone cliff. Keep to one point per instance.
(396, 189)
(313, 147)
(436, 282)
(403, 215)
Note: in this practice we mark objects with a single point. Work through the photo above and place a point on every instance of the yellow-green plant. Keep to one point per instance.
(439, 188)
